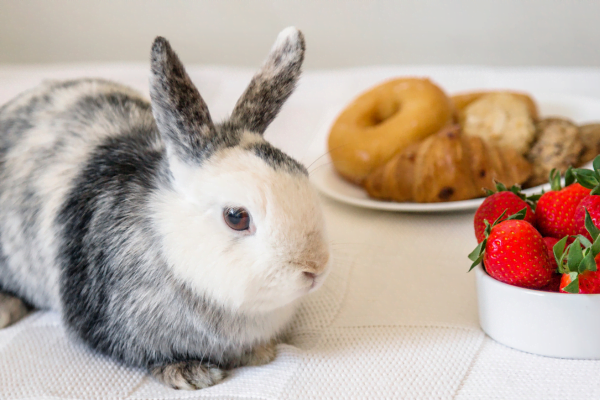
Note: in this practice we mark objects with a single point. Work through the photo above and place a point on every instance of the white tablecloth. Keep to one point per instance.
(396, 319)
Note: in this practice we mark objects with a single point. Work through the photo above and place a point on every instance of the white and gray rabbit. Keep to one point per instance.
(166, 241)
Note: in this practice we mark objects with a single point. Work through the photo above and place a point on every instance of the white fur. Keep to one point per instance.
(251, 273)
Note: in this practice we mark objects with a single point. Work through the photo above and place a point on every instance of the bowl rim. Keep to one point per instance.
(481, 273)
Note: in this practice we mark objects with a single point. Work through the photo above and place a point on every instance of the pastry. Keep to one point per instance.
(447, 166)
(383, 121)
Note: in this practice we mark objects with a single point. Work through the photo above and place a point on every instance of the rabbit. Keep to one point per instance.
(165, 241)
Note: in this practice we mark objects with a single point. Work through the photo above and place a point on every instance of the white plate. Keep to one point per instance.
(579, 109)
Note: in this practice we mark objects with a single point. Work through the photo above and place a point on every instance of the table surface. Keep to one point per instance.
(397, 317)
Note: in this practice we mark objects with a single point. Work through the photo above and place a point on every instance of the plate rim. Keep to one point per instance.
(460, 205)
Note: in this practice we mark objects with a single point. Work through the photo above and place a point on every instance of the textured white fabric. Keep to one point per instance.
(397, 317)
(502, 373)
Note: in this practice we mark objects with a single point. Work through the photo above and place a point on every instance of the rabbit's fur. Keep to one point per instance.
(111, 212)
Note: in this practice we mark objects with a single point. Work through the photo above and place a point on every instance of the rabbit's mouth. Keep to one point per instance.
(312, 278)
(316, 280)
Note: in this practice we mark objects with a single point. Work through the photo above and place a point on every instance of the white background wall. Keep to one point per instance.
(339, 33)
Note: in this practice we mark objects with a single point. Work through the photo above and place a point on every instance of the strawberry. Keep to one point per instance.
(589, 281)
(578, 263)
(555, 209)
(554, 285)
(591, 203)
(591, 180)
(550, 242)
(514, 252)
(509, 200)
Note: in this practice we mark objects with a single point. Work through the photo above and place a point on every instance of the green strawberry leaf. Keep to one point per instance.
(569, 177)
(595, 191)
(590, 226)
(488, 228)
(559, 251)
(554, 180)
(518, 215)
(500, 187)
(594, 267)
(477, 255)
(516, 189)
(573, 287)
(535, 197)
(532, 200)
(575, 256)
(584, 241)
(476, 263)
(499, 218)
(474, 255)
(596, 165)
(488, 192)
(595, 248)
(588, 263)
(586, 178)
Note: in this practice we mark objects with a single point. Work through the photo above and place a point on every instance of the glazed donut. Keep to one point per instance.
(383, 121)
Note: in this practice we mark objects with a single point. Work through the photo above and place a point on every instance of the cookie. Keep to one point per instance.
(590, 136)
(557, 145)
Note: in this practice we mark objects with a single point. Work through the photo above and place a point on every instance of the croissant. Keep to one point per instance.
(446, 166)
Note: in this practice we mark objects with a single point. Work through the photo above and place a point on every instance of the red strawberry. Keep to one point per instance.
(515, 253)
(555, 209)
(550, 242)
(495, 204)
(589, 282)
(591, 203)
(591, 180)
(554, 285)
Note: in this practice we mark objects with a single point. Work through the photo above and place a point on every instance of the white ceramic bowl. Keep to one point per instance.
(549, 324)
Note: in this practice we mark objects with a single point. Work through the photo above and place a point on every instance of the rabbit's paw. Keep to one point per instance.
(12, 309)
(188, 375)
(260, 355)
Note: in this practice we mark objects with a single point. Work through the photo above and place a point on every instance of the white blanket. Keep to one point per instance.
(397, 317)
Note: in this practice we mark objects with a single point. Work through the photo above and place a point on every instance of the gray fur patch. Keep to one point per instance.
(271, 86)
(276, 158)
(180, 112)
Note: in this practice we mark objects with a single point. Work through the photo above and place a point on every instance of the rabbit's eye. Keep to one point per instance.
(237, 219)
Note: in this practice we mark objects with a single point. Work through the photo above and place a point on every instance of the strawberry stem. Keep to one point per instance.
(554, 180)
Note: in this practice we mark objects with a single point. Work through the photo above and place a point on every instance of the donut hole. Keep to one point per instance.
(381, 113)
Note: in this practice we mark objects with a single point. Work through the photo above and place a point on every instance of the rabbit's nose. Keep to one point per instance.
(312, 267)
(310, 275)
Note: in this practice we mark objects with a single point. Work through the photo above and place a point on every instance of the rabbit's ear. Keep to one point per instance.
(180, 112)
(272, 84)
